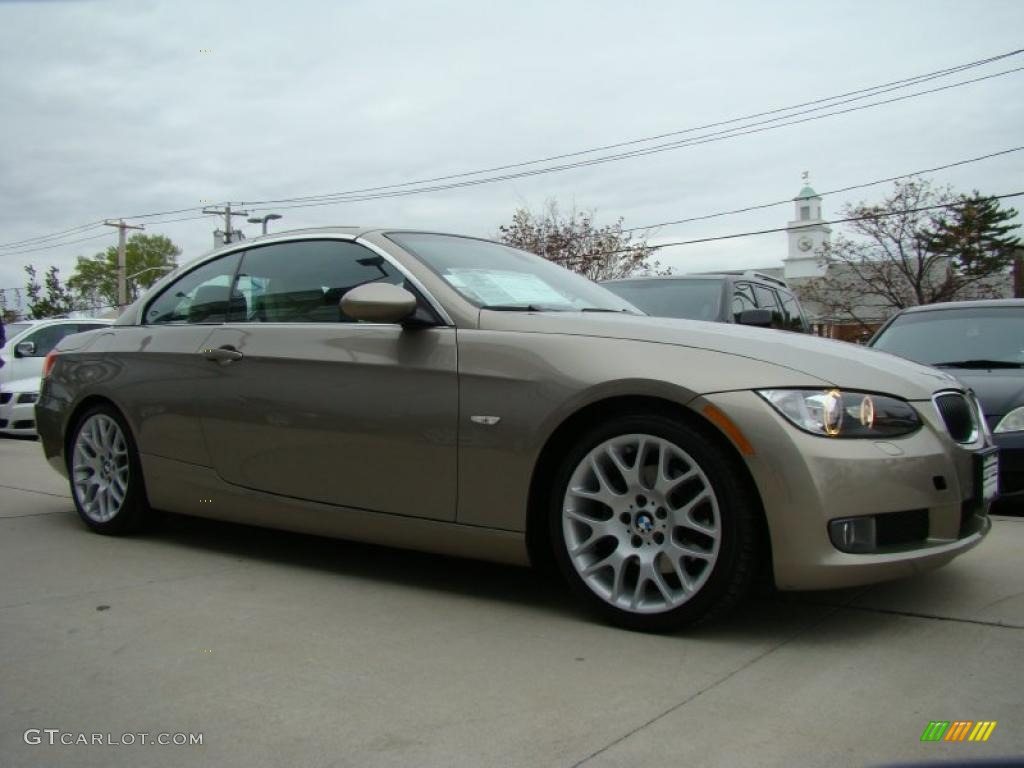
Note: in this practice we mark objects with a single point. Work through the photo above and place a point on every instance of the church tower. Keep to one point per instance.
(807, 233)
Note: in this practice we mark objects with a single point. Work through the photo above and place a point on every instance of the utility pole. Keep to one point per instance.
(227, 213)
(1018, 272)
(122, 282)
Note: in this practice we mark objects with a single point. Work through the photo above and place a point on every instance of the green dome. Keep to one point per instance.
(806, 192)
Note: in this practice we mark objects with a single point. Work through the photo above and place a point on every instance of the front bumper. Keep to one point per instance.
(1011, 465)
(17, 413)
(806, 481)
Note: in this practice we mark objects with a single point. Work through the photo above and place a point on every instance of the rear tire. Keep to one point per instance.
(105, 473)
(651, 525)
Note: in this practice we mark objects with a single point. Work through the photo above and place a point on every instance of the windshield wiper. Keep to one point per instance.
(602, 309)
(979, 364)
(518, 308)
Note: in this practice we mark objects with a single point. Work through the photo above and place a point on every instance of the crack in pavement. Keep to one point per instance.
(38, 514)
(917, 615)
(834, 609)
(31, 490)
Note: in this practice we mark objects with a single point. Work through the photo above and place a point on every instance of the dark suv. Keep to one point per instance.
(749, 298)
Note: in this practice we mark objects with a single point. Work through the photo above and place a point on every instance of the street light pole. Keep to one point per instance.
(162, 268)
(264, 219)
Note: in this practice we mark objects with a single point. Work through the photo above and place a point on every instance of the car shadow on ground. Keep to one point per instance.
(765, 610)
(537, 589)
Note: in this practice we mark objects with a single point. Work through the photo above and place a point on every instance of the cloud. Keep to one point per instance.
(115, 109)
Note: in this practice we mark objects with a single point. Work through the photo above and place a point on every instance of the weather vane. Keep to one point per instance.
(805, 176)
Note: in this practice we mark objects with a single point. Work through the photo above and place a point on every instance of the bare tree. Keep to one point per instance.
(575, 242)
(904, 251)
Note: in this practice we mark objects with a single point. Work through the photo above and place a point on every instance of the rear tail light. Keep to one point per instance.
(51, 358)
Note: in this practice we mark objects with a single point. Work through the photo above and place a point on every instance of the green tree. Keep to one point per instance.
(976, 235)
(905, 251)
(51, 299)
(147, 257)
(575, 242)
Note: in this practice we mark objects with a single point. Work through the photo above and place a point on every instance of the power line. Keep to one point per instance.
(397, 189)
(752, 128)
(867, 93)
(710, 138)
(884, 215)
(703, 217)
(762, 206)
(56, 245)
(63, 233)
(752, 233)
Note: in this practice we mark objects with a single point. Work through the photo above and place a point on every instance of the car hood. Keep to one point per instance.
(1000, 390)
(842, 364)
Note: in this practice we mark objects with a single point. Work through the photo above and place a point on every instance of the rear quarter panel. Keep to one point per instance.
(144, 374)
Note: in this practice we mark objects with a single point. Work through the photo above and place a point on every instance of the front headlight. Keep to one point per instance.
(1011, 422)
(831, 413)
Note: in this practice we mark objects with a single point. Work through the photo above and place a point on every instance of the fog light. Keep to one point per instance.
(853, 534)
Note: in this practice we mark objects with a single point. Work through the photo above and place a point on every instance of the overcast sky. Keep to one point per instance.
(112, 109)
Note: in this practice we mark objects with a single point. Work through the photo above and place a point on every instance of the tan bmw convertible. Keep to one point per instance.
(451, 394)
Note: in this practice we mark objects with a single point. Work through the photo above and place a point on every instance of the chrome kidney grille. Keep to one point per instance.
(959, 416)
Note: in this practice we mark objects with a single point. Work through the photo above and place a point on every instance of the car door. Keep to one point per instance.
(793, 317)
(158, 362)
(742, 300)
(766, 299)
(302, 401)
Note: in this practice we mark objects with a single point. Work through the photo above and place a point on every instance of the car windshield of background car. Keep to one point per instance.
(943, 336)
(696, 299)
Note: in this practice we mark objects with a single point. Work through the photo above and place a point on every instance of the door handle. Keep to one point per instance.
(222, 355)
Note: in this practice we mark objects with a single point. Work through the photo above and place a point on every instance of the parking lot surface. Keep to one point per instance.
(283, 649)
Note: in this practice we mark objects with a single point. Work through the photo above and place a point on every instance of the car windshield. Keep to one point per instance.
(951, 336)
(14, 329)
(499, 277)
(692, 299)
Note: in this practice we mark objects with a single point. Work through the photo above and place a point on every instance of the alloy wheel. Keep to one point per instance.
(100, 468)
(641, 523)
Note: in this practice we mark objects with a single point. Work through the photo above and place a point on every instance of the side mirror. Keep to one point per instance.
(378, 303)
(25, 349)
(762, 318)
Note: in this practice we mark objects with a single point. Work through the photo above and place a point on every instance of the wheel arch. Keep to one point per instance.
(537, 539)
(90, 401)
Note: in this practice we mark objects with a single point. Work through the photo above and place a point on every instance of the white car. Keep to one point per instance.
(28, 343)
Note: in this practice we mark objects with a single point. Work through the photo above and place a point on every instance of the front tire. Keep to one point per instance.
(652, 524)
(105, 473)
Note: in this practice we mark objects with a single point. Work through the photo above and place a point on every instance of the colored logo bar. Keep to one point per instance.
(958, 730)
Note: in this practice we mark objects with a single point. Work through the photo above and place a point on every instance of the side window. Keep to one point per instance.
(201, 296)
(303, 281)
(766, 299)
(45, 339)
(793, 319)
(742, 300)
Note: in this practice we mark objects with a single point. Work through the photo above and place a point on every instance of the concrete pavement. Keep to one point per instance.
(291, 650)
